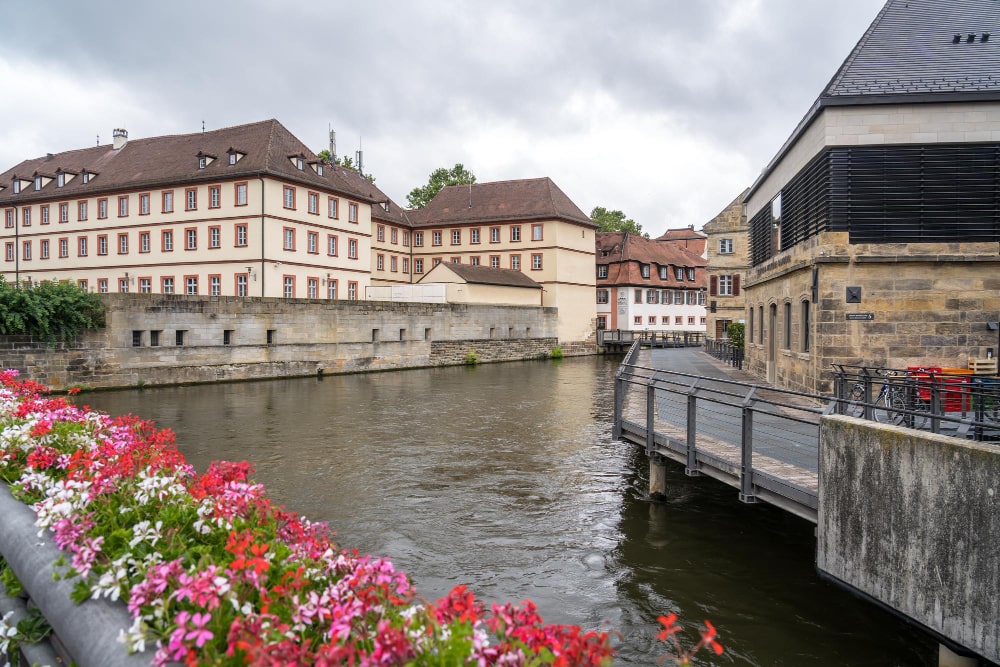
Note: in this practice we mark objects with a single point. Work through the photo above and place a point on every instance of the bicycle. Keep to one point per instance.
(896, 403)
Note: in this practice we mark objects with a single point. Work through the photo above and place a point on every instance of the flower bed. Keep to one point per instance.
(213, 573)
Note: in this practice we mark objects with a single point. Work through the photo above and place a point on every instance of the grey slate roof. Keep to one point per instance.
(909, 55)
(911, 48)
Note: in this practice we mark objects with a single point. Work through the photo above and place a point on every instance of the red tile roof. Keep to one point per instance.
(625, 253)
(526, 199)
(687, 238)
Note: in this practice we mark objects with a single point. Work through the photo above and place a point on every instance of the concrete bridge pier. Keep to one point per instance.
(948, 658)
(657, 477)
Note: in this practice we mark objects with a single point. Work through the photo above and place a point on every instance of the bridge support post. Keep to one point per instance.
(691, 467)
(616, 427)
(650, 415)
(746, 458)
(657, 478)
(948, 658)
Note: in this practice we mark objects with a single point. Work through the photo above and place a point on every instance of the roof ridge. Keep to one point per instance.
(270, 143)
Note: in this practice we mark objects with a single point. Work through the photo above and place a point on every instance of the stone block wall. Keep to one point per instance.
(153, 339)
(929, 304)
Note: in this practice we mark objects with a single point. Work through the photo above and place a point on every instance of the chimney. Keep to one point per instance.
(120, 139)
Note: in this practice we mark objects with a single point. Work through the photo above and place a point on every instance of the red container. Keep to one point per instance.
(924, 375)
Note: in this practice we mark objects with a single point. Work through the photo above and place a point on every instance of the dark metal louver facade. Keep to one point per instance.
(889, 194)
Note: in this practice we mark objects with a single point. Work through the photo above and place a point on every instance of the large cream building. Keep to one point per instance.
(251, 211)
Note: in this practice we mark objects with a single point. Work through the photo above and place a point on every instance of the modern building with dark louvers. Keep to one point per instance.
(875, 230)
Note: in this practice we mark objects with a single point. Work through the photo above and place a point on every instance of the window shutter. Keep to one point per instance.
(736, 284)
(713, 285)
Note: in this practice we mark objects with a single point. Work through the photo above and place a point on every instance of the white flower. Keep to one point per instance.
(135, 638)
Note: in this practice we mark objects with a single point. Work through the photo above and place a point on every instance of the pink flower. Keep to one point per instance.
(199, 633)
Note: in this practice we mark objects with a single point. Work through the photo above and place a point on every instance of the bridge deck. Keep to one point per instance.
(785, 427)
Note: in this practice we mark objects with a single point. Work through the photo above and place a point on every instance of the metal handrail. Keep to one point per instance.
(925, 397)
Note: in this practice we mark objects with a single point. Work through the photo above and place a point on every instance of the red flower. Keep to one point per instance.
(670, 627)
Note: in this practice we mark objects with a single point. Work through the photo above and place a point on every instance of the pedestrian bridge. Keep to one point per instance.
(907, 519)
(761, 440)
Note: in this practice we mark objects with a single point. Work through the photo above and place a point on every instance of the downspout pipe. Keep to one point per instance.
(89, 631)
(262, 184)
(17, 248)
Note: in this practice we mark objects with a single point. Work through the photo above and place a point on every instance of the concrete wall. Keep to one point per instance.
(305, 336)
(913, 520)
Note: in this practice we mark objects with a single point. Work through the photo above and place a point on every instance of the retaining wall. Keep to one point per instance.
(912, 519)
(156, 339)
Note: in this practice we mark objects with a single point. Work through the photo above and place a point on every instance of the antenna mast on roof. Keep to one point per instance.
(98, 140)
(360, 155)
(333, 144)
(470, 195)
(202, 125)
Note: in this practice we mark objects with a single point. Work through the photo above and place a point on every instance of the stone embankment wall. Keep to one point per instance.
(156, 339)
(912, 519)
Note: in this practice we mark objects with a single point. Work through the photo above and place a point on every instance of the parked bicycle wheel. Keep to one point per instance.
(921, 417)
(856, 402)
(887, 408)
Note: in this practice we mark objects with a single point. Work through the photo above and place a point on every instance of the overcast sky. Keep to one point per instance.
(665, 109)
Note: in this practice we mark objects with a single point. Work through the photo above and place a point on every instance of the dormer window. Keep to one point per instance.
(299, 163)
(690, 273)
(679, 272)
(644, 269)
(17, 186)
(60, 179)
(204, 159)
(319, 168)
(86, 177)
(38, 182)
(663, 273)
(232, 158)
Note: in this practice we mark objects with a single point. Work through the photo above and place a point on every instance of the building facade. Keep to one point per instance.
(874, 231)
(251, 211)
(215, 213)
(526, 225)
(728, 250)
(647, 285)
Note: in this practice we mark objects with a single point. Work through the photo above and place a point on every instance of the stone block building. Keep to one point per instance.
(874, 232)
(727, 247)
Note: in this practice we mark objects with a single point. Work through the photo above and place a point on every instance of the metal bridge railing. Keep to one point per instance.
(924, 398)
(762, 440)
(725, 351)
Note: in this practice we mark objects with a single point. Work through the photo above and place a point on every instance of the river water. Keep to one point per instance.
(505, 477)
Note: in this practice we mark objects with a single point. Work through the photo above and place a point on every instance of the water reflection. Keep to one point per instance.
(505, 477)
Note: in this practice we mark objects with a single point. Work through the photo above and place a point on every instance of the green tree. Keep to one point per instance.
(49, 310)
(615, 221)
(457, 175)
(735, 331)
